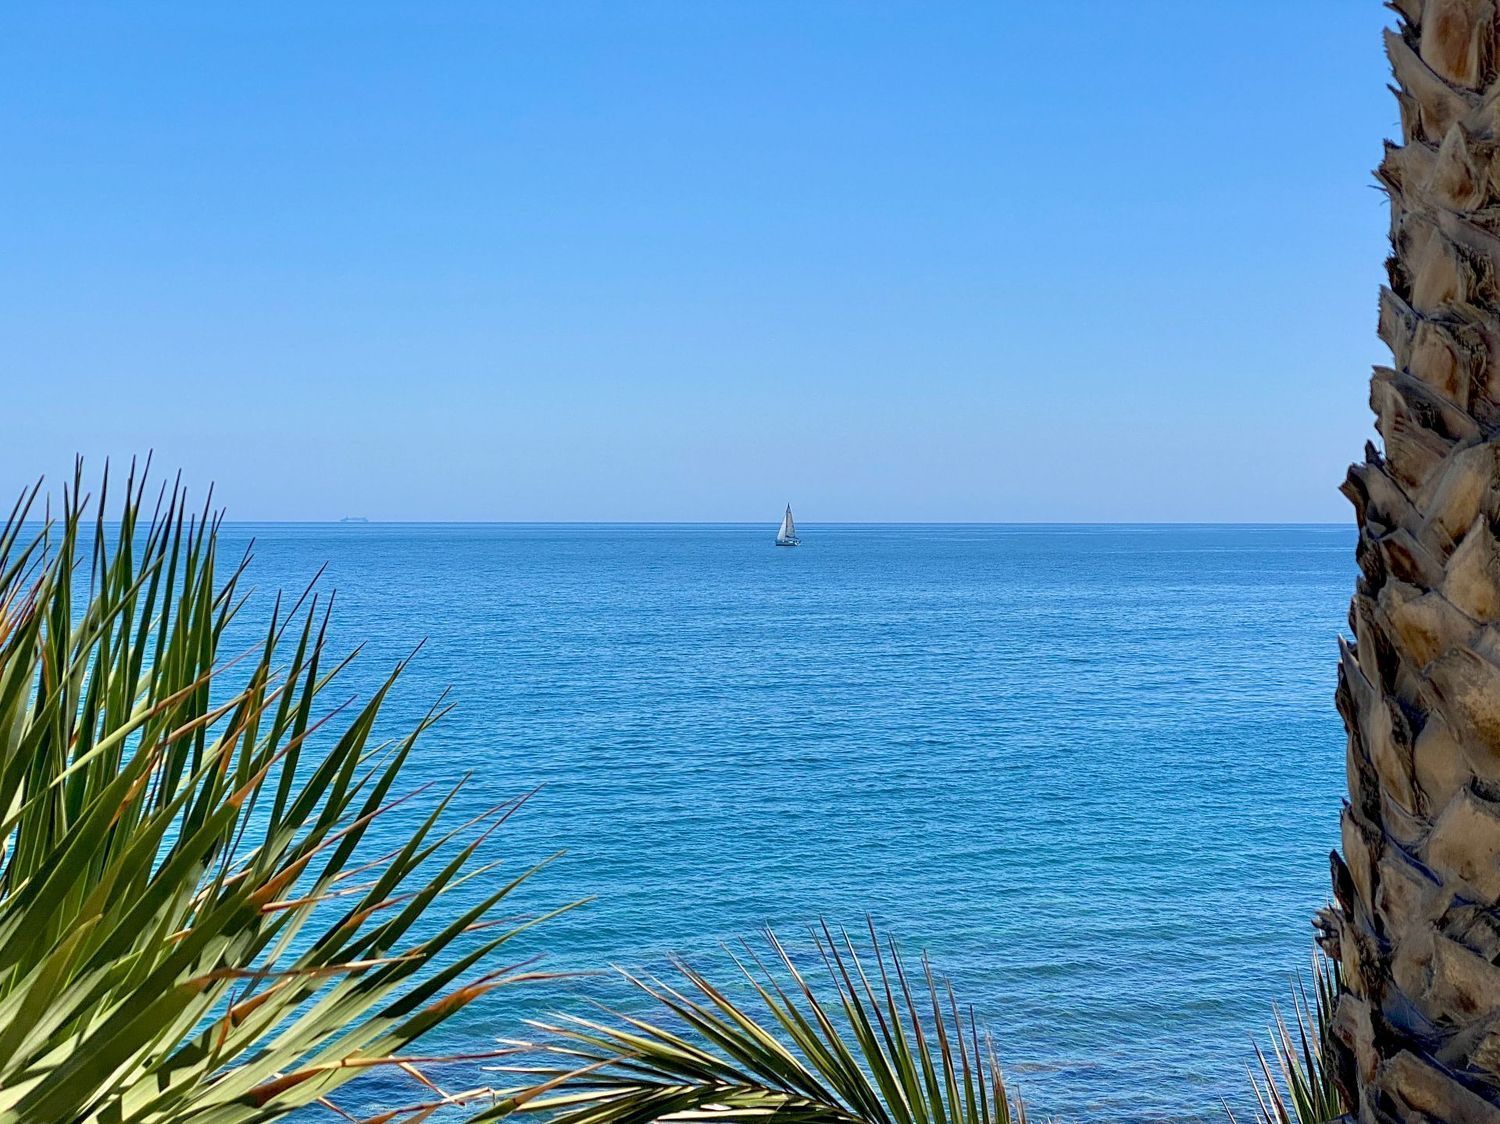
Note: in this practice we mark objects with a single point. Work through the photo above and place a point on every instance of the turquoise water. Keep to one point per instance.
(1093, 770)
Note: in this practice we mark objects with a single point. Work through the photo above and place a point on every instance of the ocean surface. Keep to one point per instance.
(1093, 770)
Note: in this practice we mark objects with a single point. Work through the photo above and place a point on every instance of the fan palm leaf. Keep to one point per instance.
(855, 1040)
(192, 924)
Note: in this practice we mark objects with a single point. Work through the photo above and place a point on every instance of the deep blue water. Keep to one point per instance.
(1093, 770)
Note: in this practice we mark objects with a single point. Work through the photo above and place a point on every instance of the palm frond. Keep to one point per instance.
(1299, 1088)
(191, 924)
(853, 1039)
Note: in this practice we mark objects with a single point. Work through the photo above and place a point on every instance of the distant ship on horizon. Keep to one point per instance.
(787, 535)
(354, 519)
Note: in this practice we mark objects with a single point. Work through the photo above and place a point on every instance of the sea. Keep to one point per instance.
(1093, 772)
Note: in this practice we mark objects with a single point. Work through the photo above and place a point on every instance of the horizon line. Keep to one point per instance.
(363, 522)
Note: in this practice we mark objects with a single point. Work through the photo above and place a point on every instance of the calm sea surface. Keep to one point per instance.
(1095, 771)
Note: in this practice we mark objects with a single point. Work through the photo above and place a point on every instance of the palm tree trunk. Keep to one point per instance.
(1418, 888)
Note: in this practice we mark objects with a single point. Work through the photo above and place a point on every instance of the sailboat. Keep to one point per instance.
(787, 536)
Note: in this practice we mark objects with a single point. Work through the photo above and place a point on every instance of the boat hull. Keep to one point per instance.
(788, 542)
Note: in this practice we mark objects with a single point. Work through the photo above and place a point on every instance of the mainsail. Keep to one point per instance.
(788, 532)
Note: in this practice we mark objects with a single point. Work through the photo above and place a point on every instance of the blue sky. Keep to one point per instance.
(685, 261)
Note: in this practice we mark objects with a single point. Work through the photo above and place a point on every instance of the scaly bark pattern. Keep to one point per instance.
(1417, 928)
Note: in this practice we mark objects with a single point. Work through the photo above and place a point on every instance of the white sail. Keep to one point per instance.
(788, 532)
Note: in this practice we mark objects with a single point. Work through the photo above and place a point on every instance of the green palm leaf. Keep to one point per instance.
(191, 925)
(1300, 1087)
(854, 1041)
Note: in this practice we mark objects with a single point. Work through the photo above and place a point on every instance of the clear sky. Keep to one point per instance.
(688, 261)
